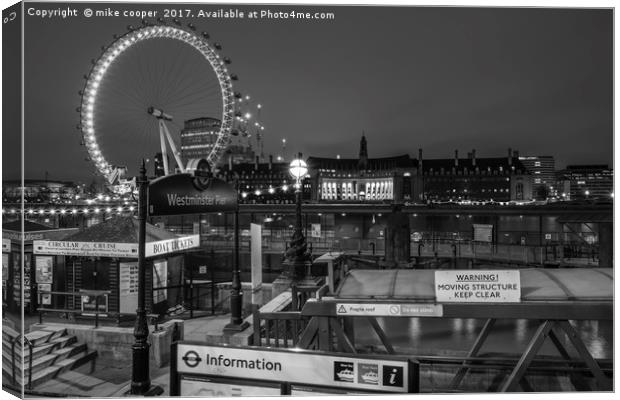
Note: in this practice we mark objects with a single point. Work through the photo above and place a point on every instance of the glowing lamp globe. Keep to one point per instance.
(298, 168)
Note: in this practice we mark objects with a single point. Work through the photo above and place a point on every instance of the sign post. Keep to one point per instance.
(198, 368)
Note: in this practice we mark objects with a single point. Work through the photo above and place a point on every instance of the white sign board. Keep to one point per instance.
(208, 388)
(294, 367)
(6, 245)
(44, 298)
(202, 269)
(44, 269)
(389, 310)
(256, 262)
(315, 230)
(160, 280)
(483, 233)
(171, 245)
(470, 286)
(85, 249)
(128, 287)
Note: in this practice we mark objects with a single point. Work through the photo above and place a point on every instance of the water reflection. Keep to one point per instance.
(432, 336)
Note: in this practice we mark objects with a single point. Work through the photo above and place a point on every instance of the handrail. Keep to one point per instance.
(82, 292)
(31, 345)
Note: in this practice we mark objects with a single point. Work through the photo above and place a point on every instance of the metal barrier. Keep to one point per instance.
(98, 294)
(284, 325)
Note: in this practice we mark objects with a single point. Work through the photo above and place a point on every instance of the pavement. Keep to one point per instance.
(106, 379)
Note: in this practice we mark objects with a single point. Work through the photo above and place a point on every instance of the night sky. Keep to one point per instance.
(536, 80)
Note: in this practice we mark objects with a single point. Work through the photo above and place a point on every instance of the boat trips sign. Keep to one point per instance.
(470, 286)
(181, 194)
(296, 367)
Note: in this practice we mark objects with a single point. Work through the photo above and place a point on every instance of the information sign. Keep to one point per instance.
(6, 245)
(380, 374)
(128, 287)
(470, 286)
(389, 310)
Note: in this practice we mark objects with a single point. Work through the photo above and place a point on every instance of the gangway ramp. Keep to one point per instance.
(549, 298)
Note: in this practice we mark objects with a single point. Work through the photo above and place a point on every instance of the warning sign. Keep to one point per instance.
(469, 286)
(390, 310)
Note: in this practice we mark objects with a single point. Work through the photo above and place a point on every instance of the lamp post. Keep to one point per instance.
(297, 257)
(237, 324)
(140, 379)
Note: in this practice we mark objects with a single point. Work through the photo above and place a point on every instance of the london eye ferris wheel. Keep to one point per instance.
(148, 79)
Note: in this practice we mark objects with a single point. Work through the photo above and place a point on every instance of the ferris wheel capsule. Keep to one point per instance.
(217, 46)
(205, 35)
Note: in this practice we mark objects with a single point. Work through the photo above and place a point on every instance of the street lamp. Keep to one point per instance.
(140, 378)
(297, 257)
(237, 324)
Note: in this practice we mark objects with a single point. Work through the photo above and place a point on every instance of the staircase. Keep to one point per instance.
(53, 352)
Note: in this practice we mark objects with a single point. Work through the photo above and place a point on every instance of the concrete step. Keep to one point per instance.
(8, 334)
(45, 335)
(45, 360)
(46, 348)
(59, 367)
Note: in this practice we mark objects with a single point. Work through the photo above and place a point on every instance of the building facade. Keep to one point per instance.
(361, 180)
(263, 183)
(403, 179)
(582, 182)
(542, 169)
(494, 179)
(198, 137)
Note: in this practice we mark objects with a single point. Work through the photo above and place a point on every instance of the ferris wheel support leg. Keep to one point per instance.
(164, 153)
(176, 154)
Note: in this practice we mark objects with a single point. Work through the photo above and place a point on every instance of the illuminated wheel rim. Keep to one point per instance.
(98, 72)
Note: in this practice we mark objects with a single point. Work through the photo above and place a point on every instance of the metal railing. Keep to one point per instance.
(24, 341)
(284, 326)
(98, 294)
